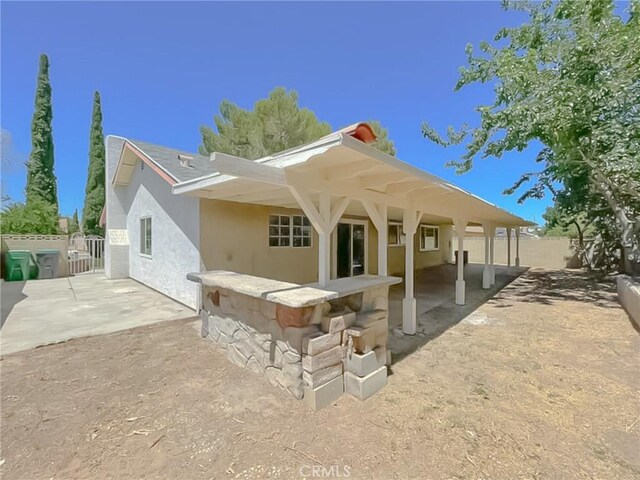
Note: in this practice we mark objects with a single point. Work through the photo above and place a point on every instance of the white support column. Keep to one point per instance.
(517, 246)
(324, 240)
(410, 221)
(379, 216)
(492, 267)
(461, 227)
(508, 247)
(324, 220)
(486, 272)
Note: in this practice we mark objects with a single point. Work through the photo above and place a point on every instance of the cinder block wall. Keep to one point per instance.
(33, 243)
(543, 252)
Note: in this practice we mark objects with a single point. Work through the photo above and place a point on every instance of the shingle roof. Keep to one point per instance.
(168, 159)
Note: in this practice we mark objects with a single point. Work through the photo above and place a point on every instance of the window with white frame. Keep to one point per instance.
(279, 230)
(289, 231)
(395, 234)
(429, 238)
(301, 232)
(145, 236)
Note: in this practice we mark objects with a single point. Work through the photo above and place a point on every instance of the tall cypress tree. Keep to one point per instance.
(41, 180)
(94, 192)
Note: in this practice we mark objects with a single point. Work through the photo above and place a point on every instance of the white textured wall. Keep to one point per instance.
(116, 257)
(175, 236)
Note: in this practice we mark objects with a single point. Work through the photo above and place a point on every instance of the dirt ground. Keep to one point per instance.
(542, 381)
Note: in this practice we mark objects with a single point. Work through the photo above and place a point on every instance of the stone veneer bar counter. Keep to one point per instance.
(314, 342)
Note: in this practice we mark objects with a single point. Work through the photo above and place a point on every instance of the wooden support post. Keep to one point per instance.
(486, 271)
(492, 249)
(379, 217)
(410, 221)
(508, 247)
(461, 227)
(517, 246)
(324, 220)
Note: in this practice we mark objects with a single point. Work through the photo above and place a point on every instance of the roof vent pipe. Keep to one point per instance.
(185, 160)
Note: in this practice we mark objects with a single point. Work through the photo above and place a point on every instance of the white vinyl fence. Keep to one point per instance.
(86, 254)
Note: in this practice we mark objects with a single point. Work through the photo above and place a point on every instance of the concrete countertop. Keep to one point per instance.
(285, 293)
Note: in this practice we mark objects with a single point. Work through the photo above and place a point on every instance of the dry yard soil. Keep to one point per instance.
(542, 381)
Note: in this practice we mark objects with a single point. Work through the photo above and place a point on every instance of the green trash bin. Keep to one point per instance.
(47, 263)
(17, 265)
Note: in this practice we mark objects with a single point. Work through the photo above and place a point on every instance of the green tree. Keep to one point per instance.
(74, 225)
(567, 79)
(37, 216)
(41, 179)
(275, 124)
(383, 142)
(94, 191)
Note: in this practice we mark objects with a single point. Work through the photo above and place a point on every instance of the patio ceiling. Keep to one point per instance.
(343, 167)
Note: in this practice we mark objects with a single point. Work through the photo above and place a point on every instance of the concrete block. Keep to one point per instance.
(267, 309)
(319, 342)
(320, 397)
(293, 317)
(366, 319)
(364, 339)
(337, 321)
(364, 387)
(361, 365)
(294, 335)
(319, 378)
(313, 363)
(383, 356)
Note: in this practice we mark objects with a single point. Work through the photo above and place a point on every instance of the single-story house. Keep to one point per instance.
(289, 258)
(333, 208)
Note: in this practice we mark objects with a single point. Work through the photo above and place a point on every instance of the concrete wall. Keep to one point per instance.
(629, 296)
(33, 243)
(235, 236)
(543, 252)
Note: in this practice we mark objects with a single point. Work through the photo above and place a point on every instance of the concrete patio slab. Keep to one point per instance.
(40, 312)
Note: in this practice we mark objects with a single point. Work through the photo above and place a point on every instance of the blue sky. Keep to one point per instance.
(162, 69)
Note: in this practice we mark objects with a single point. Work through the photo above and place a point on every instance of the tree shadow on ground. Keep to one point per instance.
(536, 286)
(437, 311)
(549, 286)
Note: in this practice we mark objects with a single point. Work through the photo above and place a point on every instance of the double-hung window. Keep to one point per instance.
(145, 236)
(289, 231)
(429, 238)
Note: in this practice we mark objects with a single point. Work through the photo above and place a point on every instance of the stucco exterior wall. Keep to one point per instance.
(235, 236)
(175, 225)
(116, 249)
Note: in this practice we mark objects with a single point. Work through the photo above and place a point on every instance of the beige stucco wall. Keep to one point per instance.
(33, 243)
(235, 236)
(543, 252)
